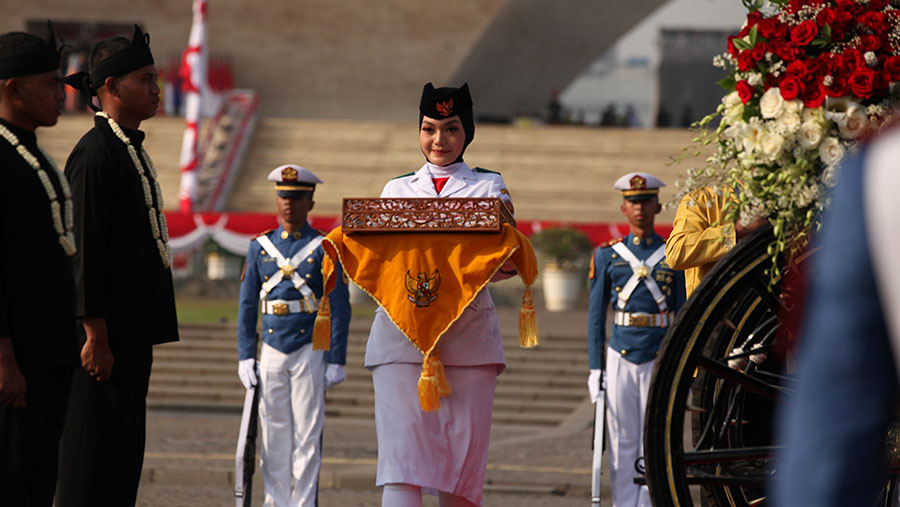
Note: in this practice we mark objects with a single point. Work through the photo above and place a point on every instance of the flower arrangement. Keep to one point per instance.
(807, 79)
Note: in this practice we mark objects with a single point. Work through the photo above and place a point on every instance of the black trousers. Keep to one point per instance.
(101, 452)
(29, 439)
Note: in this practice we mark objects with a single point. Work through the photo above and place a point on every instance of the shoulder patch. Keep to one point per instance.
(483, 170)
(404, 175)
(612, 242)
(263, 233)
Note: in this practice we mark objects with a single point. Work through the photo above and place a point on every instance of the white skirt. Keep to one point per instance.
(445, 450)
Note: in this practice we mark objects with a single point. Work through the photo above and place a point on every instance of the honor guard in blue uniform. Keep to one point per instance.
(630, 274)
(283, 278)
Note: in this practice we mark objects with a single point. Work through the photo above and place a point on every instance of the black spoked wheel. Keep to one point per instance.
(728, 410)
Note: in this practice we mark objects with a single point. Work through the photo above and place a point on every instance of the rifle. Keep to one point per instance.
(245, 456)
(597, 444)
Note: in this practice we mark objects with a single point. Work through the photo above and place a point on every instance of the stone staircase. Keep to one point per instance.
(540, 387)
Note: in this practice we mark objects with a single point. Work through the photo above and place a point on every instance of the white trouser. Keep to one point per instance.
(627, 386)
(291, 414)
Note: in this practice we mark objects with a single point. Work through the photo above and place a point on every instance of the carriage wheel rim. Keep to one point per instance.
(682, 362)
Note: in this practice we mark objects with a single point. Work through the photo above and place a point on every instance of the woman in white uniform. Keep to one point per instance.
(443, 451)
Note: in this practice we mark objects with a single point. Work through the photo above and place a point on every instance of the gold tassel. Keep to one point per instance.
(439, 374)
(528, 326)
(429, 386)
(322, 328)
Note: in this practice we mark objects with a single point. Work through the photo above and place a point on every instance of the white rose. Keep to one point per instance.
(731, 100)
(788, 122)
(771, 104)
(853, 123)
(831, 150)
(771, 145)
(829, 176)
(810, 134)
(793, 106)
(811, 114)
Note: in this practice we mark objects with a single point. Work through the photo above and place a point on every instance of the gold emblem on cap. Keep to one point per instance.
(638, 182)
(288, 174)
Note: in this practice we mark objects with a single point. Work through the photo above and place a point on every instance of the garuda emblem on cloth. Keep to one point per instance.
(423, 290)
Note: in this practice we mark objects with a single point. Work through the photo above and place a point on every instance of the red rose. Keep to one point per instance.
(769, 81)
(861, 82)
(877, 5)
(869, 42)
(837, 34)
(745, 61)
(804, 33)
(874, 20)
(798, 69)
(838, 87)
(813, 95)
(790, 87)
(758, 51)
(892, 67)
(731, 49)
(826, 16)
(745, 91)
(766, 27)
(784, 50)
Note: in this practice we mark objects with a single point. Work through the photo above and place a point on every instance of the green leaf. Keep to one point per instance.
(741, 44)
(754, 33)
(729, 83)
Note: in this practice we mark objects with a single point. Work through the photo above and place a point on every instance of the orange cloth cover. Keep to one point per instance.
(424, 281)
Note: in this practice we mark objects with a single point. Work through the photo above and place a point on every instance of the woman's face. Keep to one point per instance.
(442, 141)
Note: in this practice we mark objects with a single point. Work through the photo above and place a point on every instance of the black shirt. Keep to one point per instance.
(119, 274)
(37, 292)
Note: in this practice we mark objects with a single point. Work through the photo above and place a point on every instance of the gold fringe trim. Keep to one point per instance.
(322, 328)
(528, 326)
(433, 383)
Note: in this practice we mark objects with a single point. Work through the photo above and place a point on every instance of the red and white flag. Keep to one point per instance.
(193, 73)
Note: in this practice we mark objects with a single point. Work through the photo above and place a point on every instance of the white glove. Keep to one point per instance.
(334, 375)
(741, 362)
(247, 372)
(596, 381)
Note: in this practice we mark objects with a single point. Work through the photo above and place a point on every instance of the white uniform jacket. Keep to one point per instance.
(474, 339)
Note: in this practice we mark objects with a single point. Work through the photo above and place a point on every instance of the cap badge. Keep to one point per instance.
(445, 107)
(288, 174)
(638, 183)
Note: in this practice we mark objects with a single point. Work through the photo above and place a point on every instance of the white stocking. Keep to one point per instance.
(401, 495)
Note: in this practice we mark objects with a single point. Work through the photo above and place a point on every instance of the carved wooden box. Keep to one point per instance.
(424, 214)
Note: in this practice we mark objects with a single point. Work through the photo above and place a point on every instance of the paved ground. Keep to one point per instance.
(190, 461)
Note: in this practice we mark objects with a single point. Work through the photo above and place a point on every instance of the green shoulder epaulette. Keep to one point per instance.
(483, 170)
(404, 175)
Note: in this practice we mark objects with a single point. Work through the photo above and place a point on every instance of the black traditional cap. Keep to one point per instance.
(292, 180)
(136, 56)
(36, 60)
(444, 102)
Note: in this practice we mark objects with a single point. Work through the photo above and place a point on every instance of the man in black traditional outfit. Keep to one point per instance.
(123, 278)
(37, 291)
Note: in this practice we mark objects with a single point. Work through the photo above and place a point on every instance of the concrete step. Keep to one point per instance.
(540, 387)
